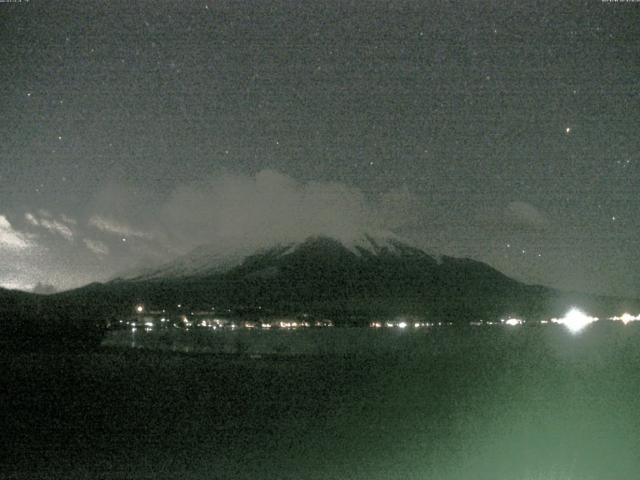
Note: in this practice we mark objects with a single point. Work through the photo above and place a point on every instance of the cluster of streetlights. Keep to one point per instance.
(575, 320)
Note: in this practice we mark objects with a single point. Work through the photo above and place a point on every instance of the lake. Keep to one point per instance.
(444, 403)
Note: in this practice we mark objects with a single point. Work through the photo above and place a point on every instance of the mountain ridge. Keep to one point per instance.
(208, 259)
(368, 279)
(364, 277)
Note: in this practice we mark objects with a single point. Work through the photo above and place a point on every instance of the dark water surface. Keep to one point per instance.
(487, 403)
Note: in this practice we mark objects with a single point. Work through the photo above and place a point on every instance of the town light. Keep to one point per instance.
(512, 322)
(575, 320)
(626, 318)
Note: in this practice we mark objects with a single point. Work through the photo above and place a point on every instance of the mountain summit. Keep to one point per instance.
(209, 260)
(361, 276)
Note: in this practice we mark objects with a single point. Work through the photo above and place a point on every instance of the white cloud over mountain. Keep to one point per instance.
(11, 238)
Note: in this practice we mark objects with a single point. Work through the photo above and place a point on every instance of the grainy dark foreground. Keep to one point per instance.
(522, 403)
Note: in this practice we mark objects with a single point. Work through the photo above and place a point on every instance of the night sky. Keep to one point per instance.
(131, 132)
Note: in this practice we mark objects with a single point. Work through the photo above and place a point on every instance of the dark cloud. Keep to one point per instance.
(514, 217)
(525, 215)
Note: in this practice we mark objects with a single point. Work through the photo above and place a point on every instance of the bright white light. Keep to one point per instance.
(626, 318)
(402, 325)
(513, 322)
(575, 320)
(140, 308)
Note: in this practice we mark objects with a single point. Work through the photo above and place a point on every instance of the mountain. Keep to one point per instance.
(202, 261)
(351, 280)
(207, 260)
(358, 278)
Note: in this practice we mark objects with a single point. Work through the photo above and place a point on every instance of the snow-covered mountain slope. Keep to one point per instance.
(349, 279)
(209, 260)
(382, 243)
(204, 260)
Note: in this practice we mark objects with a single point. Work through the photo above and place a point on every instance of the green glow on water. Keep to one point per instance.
(497, 404)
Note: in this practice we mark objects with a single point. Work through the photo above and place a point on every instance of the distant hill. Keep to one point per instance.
(45, 322)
